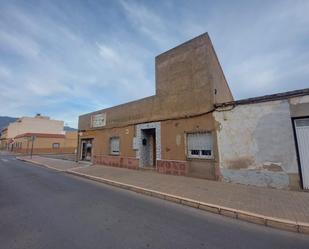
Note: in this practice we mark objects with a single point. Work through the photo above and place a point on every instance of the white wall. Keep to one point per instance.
(299, 106)
(256, 144)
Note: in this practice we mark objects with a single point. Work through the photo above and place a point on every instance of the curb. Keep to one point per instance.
(45, 165)
(39, 164)
(282, 224)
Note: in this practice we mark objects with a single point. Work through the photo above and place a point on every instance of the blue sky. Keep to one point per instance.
(66, 58)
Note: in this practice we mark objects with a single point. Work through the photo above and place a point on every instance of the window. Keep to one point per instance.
(200, 145)
(56, 145)
(114, 146)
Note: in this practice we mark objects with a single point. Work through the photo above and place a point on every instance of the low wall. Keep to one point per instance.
(163, 166)
(173, 167)
(117, 161)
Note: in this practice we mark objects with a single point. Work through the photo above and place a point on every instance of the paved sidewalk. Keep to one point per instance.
(282, 204)
(8, 153)
(55, 163)
(269, 202)
(69, 157)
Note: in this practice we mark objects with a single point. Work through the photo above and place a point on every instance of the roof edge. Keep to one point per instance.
(205, 34)
(46, 135)
(265, 98)
(118, 106)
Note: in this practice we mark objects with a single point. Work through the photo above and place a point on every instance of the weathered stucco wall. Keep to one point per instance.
(256, 144)
(299, 106)
(101, 142)
(171, 143)
(70, 139)
(44, 145)
(174, 146)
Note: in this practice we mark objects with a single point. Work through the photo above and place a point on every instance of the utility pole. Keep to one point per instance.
(78, 149)
(33, 137)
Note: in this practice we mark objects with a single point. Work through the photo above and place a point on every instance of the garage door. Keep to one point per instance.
(302, 133)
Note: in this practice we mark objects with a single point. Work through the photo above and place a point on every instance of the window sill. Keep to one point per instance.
(201, 159)
(114, 154)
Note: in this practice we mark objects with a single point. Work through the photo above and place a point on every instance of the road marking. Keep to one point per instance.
(4, 160)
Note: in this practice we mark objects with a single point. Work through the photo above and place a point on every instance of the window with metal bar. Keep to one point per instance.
(114, 145)
(200, 145)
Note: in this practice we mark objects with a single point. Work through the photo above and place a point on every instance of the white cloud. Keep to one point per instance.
(122, 60)
(65, 63)
(49, 88)
(109, 55)
(60, 71)
(5, 73)
(19, 44)
(146, 21)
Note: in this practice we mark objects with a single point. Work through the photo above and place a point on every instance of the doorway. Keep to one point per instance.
(86, 149)
(148, 141)
(302, 137)
(148, 149)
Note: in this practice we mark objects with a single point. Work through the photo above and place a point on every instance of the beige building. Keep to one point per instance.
(45, 143)
(48, 136)
(4, 141)
(37, 124)
(173, 131)
(192, 126)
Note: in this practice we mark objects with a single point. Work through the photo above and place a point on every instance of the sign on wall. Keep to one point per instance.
(98, 120)
(135, 143)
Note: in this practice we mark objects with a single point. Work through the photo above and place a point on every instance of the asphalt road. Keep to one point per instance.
(41, 208)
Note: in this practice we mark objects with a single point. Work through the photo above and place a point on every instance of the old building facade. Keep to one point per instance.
(45, 143)
(172, 131)
(264, 141)
(4, 139)
(193, 127)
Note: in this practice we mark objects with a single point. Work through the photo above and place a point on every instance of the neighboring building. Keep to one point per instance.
(264, 141)
(4, 141)
(172, 131)
(37, 124)
(48, 136)
(193, 127)
(44, 143)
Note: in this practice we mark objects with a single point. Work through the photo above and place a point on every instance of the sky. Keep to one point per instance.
(67, 58)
